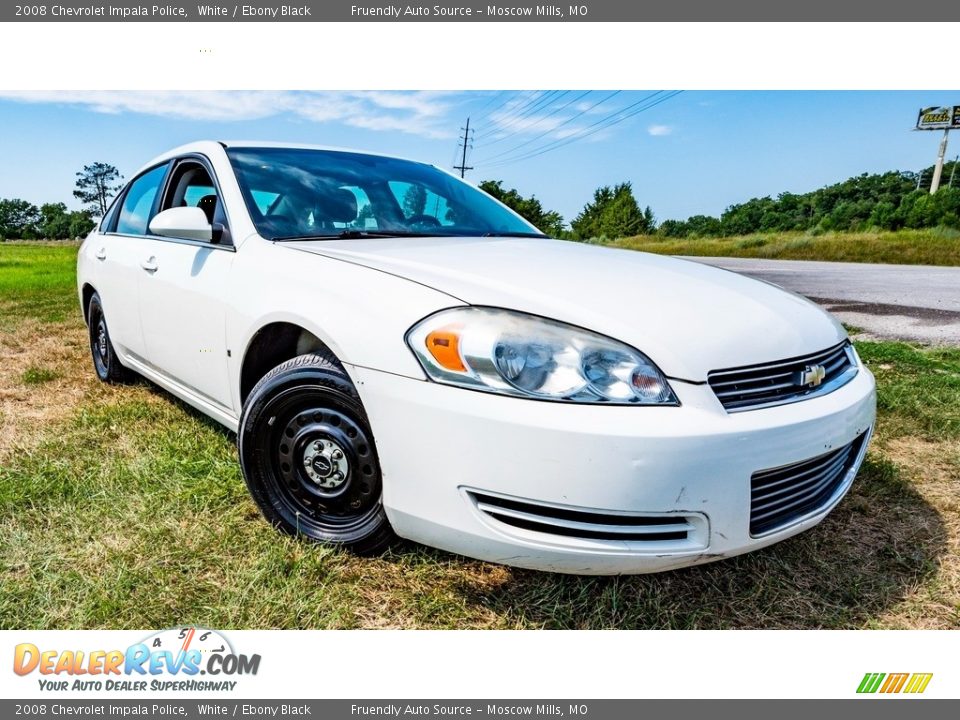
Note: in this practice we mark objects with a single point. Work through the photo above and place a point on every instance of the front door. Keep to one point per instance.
(183, 290)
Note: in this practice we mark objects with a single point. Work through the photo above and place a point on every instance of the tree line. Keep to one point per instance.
(883, 201)
(95, 185)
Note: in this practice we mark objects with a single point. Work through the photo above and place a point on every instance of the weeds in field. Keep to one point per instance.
(120, 507)
(935, 246)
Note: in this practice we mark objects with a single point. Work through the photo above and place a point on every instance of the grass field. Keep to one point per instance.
(122, 508)
(937, 246)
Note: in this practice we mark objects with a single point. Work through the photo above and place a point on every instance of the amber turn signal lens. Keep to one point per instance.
(444, 345)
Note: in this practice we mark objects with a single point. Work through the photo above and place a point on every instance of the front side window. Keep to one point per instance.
(135, 212)
(307, 194)
(192, 186)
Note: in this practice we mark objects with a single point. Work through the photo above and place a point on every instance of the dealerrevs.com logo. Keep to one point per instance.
(171, 659)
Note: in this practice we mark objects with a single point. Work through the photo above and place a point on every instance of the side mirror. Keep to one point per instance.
(189, 223)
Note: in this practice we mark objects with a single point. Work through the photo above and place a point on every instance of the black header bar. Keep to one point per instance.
(854, 11)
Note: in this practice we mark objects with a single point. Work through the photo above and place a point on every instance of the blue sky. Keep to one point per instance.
(696, 152)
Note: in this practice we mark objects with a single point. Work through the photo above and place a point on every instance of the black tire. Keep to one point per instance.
(294, 422)
(105, 362)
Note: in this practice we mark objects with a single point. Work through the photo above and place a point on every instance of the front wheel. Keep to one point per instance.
(309, 458)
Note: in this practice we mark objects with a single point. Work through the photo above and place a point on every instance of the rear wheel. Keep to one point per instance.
(105, 360)
(309, 458)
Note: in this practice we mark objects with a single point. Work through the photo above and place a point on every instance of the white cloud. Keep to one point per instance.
(416, 113)
(659, 130)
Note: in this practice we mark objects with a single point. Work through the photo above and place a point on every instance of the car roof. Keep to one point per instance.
(207, 147)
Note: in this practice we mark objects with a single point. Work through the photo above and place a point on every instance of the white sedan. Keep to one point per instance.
(400, 354)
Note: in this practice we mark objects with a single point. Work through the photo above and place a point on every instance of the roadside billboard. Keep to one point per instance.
(938, 118)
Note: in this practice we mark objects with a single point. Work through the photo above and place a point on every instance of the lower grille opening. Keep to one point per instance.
(780, 496)
(588, 524)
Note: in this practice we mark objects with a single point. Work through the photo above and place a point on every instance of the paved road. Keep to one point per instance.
(919, 303)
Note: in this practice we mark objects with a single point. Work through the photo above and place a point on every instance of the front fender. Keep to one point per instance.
(361, 314)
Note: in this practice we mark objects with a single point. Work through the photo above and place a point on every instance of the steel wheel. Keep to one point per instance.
(309, 457)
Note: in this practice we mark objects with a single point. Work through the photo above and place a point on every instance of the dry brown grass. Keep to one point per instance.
(122, 508)
(933, 469)
(27, 411)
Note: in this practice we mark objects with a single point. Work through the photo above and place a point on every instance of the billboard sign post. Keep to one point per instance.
(944, 118)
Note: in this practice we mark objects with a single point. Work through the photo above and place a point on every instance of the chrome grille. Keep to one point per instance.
(783, 495)
(784, 381)
(587, 524)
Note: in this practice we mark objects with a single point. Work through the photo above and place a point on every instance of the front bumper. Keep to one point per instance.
(439, 446)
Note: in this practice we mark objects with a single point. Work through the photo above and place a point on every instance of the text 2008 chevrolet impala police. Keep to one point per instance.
(400, 353)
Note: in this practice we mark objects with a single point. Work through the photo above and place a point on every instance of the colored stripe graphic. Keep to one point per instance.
(918, 682)
(870, 682)
(893, 683)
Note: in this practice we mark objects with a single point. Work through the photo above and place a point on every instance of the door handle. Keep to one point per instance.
(149, 265)
(101, 254)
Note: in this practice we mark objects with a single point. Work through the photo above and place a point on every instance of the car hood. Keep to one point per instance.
(689, 318)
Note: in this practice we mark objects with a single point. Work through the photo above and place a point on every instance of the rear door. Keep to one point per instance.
(182, 295)
(119, 252)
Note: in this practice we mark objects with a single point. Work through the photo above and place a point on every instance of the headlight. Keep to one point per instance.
(516, 354)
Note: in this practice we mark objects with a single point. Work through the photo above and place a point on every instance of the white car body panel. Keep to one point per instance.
(183, 316)
(188, 324)
(114, 267)
(666, 308)
(688, 460)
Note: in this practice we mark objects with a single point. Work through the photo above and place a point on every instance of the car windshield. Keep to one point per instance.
(307, 194)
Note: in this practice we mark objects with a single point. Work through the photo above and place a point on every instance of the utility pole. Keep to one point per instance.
(953, 170)
(938, 169)
(919, 178)
(465, 139)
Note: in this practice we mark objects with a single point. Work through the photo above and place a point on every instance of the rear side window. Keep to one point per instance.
(138, 202)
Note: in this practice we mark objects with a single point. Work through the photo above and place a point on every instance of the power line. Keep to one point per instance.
(570, 119)
(556, 127)
(602, 124)
(490, 101)
(514, 112)
(599, 124)
(528, 114)
(482, 116)
(567, 141)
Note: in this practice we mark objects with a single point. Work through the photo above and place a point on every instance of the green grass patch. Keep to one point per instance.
(39, 375)
(935, 246)
(131, 512)
(37, 281)
(918, 389)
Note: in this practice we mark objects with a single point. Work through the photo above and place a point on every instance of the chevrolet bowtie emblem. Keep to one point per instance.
(811, 376)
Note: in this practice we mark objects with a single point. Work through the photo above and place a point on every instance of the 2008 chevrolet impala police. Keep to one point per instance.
(401, 354)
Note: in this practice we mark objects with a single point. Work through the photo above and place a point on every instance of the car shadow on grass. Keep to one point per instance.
(852, 571)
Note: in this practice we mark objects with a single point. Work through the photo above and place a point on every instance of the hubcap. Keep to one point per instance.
(102, 339)
(326, 463)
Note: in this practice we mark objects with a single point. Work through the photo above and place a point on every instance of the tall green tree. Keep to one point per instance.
(54, 221)
(19, 219)
(96, 184)
(57, 223)
(531, 209)
(613, 213)
(80, 224)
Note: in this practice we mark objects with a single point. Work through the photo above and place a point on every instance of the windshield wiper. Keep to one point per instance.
(350, 235)
(515, 234)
